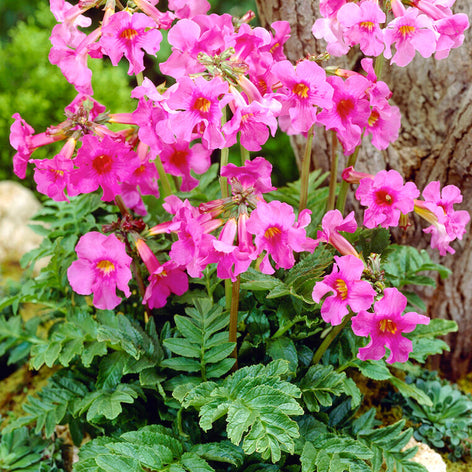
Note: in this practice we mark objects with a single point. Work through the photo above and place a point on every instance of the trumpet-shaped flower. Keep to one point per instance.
(385, 327)
(386, 198)
(129, 35)
(276, 232)
(346, 287)
(102, 267)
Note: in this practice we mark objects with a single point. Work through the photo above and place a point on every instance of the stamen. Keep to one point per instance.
(106, 267)
(341, 288)
(388, 325)
(272, 232)
(202, 104)
(301, 90)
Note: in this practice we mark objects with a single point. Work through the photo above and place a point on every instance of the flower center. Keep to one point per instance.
(128, 34)
(345, 107)
(373, 118)
(179, 158)
(301, 90)
(272, 232)
(103, 164)
(383, 198)
(341, 288)
(388, 325)
(367, 26)
(57, 172)
(246, 117)
(202, 104)
(140, 170)
(106, 267)
(406, 30)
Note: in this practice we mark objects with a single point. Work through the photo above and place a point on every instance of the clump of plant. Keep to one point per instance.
(445, 425)
(199, 318)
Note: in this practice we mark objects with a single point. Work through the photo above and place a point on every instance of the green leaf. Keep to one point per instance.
(255, 280)
(182, 347)
(283, 348)
(223, 451)
(375, 370)
(410, 390)
(320, 384)
(180, 363)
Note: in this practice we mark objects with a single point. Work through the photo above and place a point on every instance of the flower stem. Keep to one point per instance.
(233, 319)
(224, 157)
(305, 174)
(330, 338)
(378, 66)
(166, 187)
(245, 156)
(334, 172)
(341, 202)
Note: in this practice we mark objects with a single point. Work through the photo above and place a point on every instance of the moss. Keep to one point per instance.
(15, 389)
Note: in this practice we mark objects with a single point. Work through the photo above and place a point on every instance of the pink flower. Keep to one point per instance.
(103, 164)
(346, 287)
(24, 141)
(189, 9)
(200, 109)
(410, 32)
(251, 121)
(305, 89)
(451, 31)
(254, 174)
(361, 25)
(163, 279)
(331, 224)
(128, 35)
(385, 327)
(52, 175)
(350, 111)
(103, 266)
(277, 233)
(437, 208)
(386, 198)
(179, 159)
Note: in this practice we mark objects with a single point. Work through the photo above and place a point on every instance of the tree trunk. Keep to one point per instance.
(435, 99)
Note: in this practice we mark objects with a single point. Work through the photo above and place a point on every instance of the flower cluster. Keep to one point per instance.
(427, 26)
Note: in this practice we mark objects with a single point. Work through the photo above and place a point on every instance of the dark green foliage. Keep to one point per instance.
(22, 451)
(203, 347)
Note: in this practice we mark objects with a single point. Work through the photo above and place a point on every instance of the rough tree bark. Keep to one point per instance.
(435, 99)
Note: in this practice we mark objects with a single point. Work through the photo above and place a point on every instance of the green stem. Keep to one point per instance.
(330, 338)
(224, 158)
(163, 177)
(378, 66)
(334, 172)
(245, 155)
(305, 174)
(341, 202)
(233, 319)
(139, 78)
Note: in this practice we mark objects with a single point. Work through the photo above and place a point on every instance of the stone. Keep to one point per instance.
(427, 457)
(17, 205)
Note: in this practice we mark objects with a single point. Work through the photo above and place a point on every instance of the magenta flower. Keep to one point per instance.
(276, 232)
(103, 266)
(52, 175)
(361, 25)
(410, 32)
(332, 223)
(128, 35)
(385, 327)
(200, 109)
(189, 8)
(386, 198)
(437, 208)
(350, 111)
(346, 287)
(24, 141)
(163, 279)
(251, 121)
(103, 164)
(179, 159)
(254, 174)
(305, 89)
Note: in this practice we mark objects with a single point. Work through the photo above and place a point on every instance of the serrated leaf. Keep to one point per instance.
(255, 280)
(180, 363)
(283, 348)
(223, 451)
(320, 384)
(375, 370)
(182, 347)
(410, 390)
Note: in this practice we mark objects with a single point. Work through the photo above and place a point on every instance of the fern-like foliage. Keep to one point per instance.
(258, 404)
(203, 346)
(152, 448)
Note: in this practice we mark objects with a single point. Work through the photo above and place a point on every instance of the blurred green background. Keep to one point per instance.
(31, 86)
